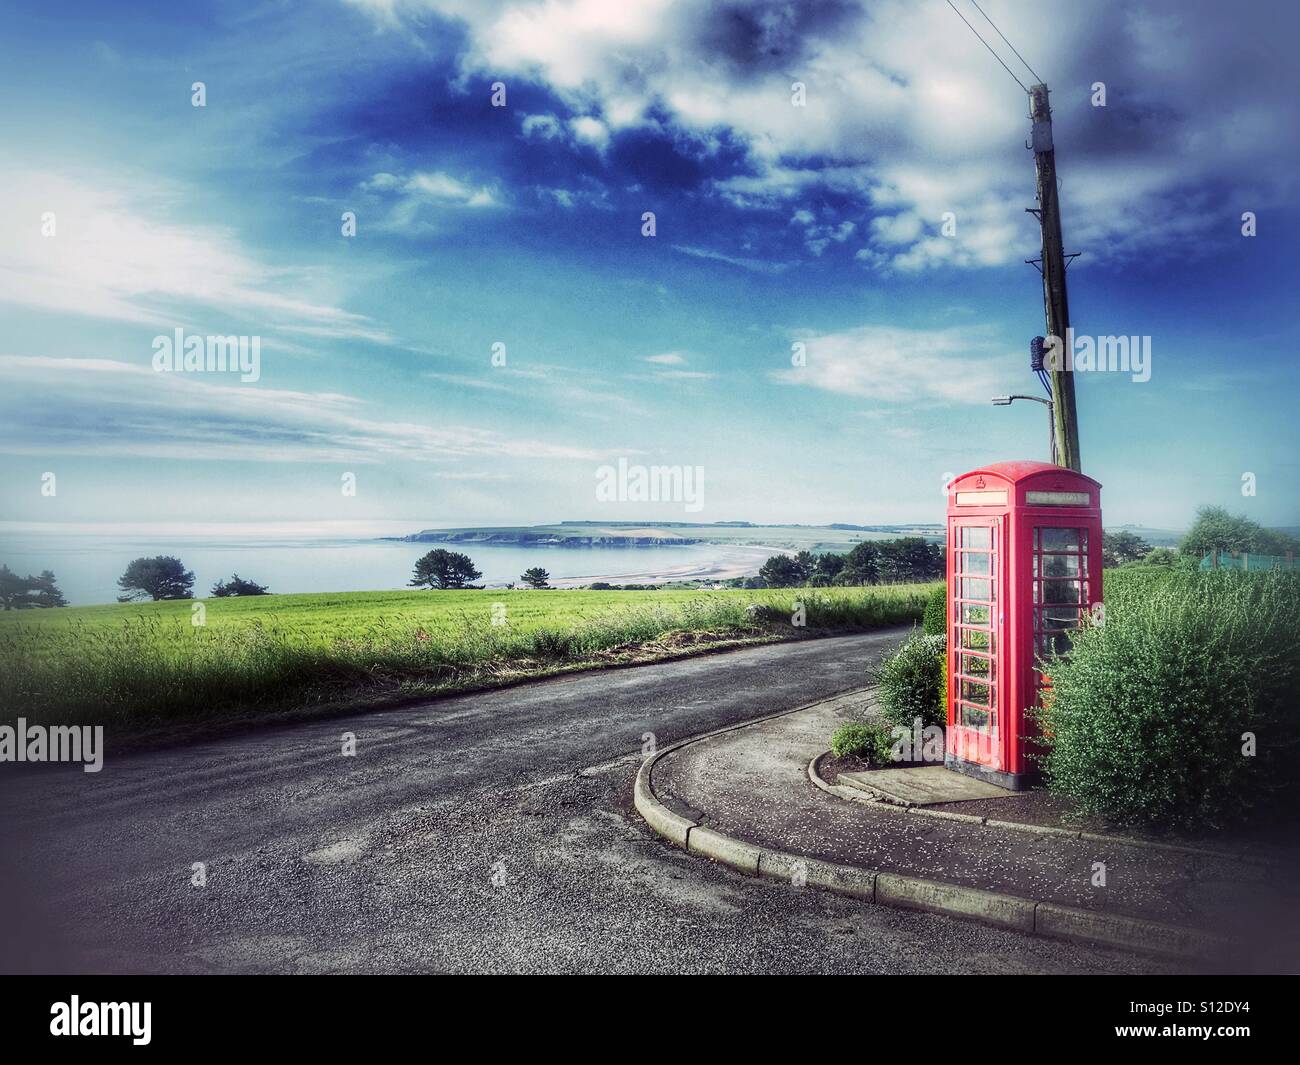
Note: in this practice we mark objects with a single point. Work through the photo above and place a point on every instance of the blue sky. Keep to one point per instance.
(522, 225)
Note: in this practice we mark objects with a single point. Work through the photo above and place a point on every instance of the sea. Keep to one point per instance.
(88, 562)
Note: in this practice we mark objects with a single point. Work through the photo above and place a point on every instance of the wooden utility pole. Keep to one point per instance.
(1052, 264)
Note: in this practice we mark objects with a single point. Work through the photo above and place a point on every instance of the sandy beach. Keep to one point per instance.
(731, 561)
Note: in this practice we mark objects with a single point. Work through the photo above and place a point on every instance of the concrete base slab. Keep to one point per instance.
(923, 785)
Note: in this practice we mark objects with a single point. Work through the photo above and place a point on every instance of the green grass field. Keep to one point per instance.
(147, 665)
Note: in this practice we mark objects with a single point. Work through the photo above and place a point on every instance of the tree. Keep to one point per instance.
(851, 577)
(828, 567)
(1217, 530)
(806, 562)
(1120, 547)
(237, 585)
(25, 593)
(535, 577)
(161, 577)
(13, 590)
(781, 571)
(45, 592)
(862, 562)
(441, 568)
(909, 560)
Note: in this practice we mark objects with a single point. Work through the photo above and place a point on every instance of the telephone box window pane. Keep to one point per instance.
(976, 563)
(1061, 592)
(977, 536)
(975, 666)
(1056, 617)
(1050, 643)
(1057, 565)
(973, 588)
(976, 718)
(975, 692)
(978, 640)
(1064, 539)
(974, 615)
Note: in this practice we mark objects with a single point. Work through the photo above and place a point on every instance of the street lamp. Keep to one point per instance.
(1006, 401)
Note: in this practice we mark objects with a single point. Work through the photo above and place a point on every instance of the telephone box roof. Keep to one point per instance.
(1021, 469)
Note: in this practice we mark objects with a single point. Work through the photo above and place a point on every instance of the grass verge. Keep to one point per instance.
(145, 669)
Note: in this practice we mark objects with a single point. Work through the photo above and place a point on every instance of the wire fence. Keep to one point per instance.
(1248, 562)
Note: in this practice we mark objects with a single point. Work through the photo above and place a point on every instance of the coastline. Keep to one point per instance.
(743, 561)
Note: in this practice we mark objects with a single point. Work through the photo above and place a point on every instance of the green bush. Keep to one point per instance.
(935, 620)
(869, 740)
(1148, 712)
(942, 693)
(910, 681)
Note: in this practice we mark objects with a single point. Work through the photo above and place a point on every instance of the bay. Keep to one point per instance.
(87, 565)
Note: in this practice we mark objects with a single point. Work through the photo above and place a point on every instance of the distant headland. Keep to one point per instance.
(837, 536)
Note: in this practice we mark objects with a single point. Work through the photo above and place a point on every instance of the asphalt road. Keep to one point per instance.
(490, 832)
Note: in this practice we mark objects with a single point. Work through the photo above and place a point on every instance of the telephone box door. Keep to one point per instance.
(977, 568)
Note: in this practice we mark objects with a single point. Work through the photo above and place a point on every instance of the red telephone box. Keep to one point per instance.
(1024, 567)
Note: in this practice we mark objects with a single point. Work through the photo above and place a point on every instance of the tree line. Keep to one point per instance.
(164, 577)
(906, 560)
(157, 578)
(441, 568)
(1214, 529)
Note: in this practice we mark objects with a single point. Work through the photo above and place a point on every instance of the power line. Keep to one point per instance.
(989, 47)
(1008, 43)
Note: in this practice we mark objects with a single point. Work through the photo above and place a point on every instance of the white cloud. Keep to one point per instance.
(118, 255)
(903, 366)
(482, 383)
(817, 238)
(417, 196)
(442, 188)
(908, 112)
(85, 406)
(573, 390)
(668, 366)
(683, 375)
(541, 127)
(758, 266)
(563, 197)
(591, 131)
(581, 129)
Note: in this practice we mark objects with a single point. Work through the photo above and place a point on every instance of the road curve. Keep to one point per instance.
(486, 832)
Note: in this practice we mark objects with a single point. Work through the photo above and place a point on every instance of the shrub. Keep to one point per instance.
(238, 585)
(943, 688)
(764, 614)
(869, 740)
(1161, 556)
(910, 680)
(1148, 714)
(935, 620)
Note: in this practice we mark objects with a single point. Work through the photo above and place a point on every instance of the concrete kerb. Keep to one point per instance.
(674, 826)
(881, 803)
(1032, 916)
